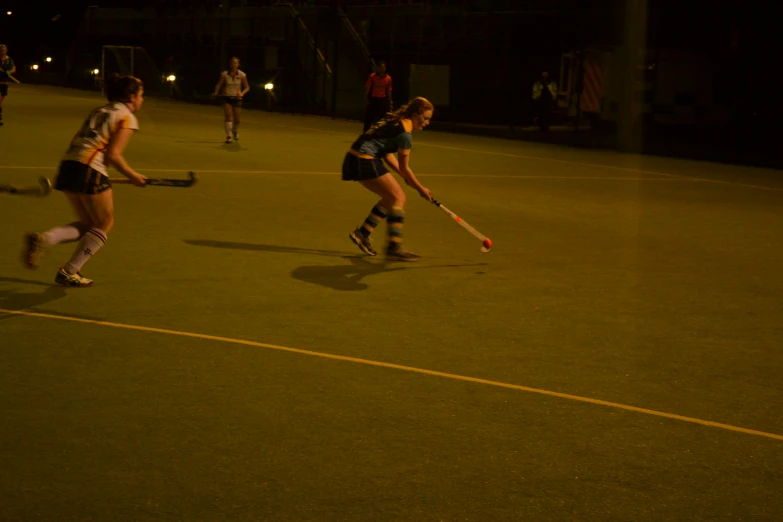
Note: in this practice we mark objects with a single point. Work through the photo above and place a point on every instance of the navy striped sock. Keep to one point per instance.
(377, 214)
(395, 221)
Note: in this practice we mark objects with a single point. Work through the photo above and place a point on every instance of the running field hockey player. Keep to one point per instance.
(364, 163)
(82, 177)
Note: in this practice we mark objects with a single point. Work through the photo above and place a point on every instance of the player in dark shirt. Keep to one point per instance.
(7, 67)
(364, 163)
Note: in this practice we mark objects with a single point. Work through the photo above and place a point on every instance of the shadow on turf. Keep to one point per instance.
(13, 299)
(340, 277)
(231, 147)
(347, 278)
(264, 248)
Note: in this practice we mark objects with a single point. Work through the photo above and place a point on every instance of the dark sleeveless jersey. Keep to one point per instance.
(383, 139)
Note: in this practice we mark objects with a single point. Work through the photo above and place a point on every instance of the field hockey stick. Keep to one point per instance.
(192, 178)
(10, 76)
(43, 189)
(486, 243)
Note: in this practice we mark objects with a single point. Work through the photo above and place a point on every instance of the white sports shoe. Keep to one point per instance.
(76, 280)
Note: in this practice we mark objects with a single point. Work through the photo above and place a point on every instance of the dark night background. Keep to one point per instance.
(496, 50)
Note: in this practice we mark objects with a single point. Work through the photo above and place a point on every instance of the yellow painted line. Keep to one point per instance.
(13, 167)
(668, 177)
(411, 369)
(480, 151)
(578, 178)
(506, 154)
(324, 173)
(603, 166)
(719, 182)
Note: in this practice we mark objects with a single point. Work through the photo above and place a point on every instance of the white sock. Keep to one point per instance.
(228, 128)
(64, 234)
(91, 242)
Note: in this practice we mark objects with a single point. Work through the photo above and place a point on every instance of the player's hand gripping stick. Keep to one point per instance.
(189, 182)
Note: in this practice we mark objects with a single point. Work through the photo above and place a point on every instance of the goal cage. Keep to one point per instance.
(133, 61)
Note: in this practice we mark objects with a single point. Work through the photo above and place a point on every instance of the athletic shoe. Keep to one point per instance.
(66, 279)
(236, 136)
(395, 252)
(33, 248)
(228, 139)
(363, 242)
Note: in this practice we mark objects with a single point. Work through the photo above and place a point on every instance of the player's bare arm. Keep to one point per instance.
(407, 174)
(115, 158)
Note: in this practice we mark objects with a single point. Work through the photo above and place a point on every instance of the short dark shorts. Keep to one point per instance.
(361, 169)
(234, 101)
(3, 89)
(79, 178)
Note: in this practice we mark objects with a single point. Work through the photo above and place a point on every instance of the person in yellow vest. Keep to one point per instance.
(544, 96)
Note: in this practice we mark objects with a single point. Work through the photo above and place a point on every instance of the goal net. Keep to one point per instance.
(133, 61)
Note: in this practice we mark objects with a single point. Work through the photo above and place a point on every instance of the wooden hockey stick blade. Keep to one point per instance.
(46, 185)
(43, 189)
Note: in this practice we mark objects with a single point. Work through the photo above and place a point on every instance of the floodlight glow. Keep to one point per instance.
(35, 66)
(95, 71)
(269, 86)
(171, 78)
(8, 13)
(49, 59)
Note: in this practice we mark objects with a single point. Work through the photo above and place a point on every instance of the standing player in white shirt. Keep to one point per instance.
(82, 177)
(229, 90)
